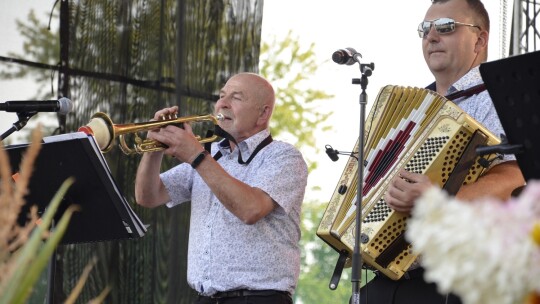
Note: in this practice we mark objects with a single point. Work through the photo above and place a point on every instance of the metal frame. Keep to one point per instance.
(525, 33)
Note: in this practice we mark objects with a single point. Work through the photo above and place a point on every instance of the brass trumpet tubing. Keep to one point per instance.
(121, 129)
(105, 131)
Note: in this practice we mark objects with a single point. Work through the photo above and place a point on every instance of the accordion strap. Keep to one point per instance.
(467, 92)
(466, 161)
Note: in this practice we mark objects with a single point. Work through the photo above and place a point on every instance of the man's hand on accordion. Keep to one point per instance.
(404, 189)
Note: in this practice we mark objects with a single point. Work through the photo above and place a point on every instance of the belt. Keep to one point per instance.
(246, 293)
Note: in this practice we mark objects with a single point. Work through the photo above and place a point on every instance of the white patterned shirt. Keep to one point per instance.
(226, 254)
(478, 106)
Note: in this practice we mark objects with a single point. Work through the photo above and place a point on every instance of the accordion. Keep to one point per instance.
(407, 128)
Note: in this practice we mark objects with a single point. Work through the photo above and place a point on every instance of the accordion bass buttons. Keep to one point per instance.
(342, 189)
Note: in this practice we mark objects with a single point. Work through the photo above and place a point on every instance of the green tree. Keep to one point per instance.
(296, 117)
(289, 65)
(318, 261)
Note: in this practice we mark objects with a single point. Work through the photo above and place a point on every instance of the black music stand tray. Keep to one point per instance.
(104, 212)
(513, 84)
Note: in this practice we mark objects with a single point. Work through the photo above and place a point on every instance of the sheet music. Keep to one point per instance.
(63, 137)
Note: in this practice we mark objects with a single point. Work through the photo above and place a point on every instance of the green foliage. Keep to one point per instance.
(35, 254)
(288, 67)
(318, 263)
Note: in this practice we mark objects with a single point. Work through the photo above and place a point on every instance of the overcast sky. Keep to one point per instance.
(384, 32)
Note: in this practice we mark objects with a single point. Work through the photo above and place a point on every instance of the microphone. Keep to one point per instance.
(62, 106)
(332, 153)
(346, 56)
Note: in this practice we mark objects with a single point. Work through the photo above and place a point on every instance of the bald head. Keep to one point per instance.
(258, 88)
(247, 102)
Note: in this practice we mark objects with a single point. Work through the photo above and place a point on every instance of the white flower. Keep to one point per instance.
(482, 251)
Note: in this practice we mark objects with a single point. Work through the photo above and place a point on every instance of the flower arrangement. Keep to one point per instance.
(486, 251)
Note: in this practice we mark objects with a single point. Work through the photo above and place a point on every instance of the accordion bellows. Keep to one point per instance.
(411, 128)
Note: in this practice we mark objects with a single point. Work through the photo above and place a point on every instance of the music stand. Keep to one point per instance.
(513, 84)
(104, 212)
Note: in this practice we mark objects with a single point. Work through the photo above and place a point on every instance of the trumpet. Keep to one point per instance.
(105, 131)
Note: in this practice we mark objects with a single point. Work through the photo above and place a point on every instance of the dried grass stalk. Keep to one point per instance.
(12, 192)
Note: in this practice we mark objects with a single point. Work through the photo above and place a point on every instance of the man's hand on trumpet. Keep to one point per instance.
(181, 142)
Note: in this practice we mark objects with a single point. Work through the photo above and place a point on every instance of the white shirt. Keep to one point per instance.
(226, 254)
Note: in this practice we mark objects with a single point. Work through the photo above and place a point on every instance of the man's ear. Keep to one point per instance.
(265, 113)
(481, 41)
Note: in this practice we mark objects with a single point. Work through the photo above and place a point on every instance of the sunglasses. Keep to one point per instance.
(441, 25)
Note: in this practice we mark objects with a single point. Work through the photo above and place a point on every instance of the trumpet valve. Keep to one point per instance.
(149, 145)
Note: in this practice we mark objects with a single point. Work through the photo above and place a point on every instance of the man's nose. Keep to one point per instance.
(432, 33)
(223, 102)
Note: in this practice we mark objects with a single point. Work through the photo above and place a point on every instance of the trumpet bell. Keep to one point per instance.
(101, 127)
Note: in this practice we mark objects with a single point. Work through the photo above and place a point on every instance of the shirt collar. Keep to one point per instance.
(468, 80)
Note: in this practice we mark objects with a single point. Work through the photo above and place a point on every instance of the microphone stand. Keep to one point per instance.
(23, 119)
(356, 277)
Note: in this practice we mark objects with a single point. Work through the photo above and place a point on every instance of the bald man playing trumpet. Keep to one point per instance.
(246, 195)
